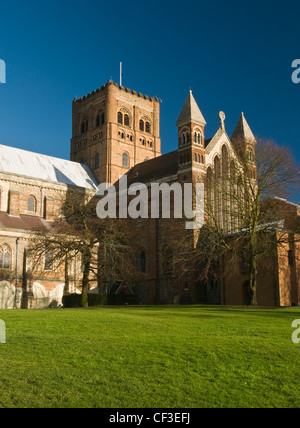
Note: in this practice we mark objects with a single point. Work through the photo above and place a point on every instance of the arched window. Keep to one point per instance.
(141, 261)
(183, 139)
(200, 139)
(97, 120)
(126, 120)
(49, 259)
(142, 125)
(147, 127)
(31, 204)
(96, 161)
(102, 118)
(5, 257)
(120, 118)
(82, 128)
(125, 160)
(195, 158)
(250, 155)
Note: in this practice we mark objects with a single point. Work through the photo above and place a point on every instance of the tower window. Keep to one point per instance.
(147, 127)
(102, 118)
(125, 160)
(120, 118)
(98, 120)
(142, 126)
(96, 161)
(126, 120)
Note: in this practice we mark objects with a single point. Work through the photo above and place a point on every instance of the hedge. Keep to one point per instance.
(74, 300)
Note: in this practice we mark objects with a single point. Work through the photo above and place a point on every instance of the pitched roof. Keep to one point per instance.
(242, 130)
(23, 222)
(190, 112)
(154, 169)
(46, 168)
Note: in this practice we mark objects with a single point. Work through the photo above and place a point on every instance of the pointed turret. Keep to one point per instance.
(191, 141)
(243, 140)
(190, 113)
(243, 131)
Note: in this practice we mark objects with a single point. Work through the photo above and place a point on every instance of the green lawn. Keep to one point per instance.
(148, 357)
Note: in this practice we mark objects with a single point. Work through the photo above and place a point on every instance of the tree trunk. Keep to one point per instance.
(252, 298)
(85, 282)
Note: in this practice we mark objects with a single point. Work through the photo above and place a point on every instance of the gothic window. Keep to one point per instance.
(97, 120)
(120, 118)
(102, 118)
(142, 125)
(141, 262)
(147, 127)
(31, 204)
(250, 155)
(125, 160)
(126, 120)
(183, 139)
(5, 257)
(49, 259)
(96, 161)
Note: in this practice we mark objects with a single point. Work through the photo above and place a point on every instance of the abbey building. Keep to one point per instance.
(116, 132)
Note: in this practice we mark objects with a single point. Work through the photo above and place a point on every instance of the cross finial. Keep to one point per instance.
(222, 118)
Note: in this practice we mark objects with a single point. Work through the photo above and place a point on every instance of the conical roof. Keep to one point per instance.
(242, 130)
(190, 112)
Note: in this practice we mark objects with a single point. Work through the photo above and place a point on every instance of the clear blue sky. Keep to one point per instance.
(235, 56)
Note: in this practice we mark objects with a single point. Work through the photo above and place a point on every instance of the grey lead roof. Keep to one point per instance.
(46, 168)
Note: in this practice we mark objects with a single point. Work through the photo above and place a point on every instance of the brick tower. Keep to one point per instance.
(113, 129)
(191, 143)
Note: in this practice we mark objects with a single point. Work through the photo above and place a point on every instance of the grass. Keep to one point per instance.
(150, 357)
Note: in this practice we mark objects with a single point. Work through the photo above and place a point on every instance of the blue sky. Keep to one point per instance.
(235, 56)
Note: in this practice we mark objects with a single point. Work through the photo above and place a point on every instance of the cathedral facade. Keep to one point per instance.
(116, 133)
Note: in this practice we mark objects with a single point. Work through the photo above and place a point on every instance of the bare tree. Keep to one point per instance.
(242, 215)
(240, 210)
(104, 246)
